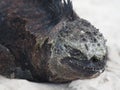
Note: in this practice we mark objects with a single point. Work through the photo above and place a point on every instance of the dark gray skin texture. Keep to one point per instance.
(45, 41)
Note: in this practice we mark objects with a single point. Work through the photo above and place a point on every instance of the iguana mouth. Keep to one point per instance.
(86, 67)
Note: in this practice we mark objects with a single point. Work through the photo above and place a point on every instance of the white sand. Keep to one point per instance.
(105, 15)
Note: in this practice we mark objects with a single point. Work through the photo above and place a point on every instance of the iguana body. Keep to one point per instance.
(44, 40)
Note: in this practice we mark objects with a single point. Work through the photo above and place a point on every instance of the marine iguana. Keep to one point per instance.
(46, 41)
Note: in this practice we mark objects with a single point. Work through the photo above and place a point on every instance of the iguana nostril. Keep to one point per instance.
(94, 59)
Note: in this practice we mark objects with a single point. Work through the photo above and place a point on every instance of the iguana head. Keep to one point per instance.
(78, 51)
(78, 48)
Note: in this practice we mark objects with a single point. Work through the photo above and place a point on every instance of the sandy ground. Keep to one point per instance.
(105, 15)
